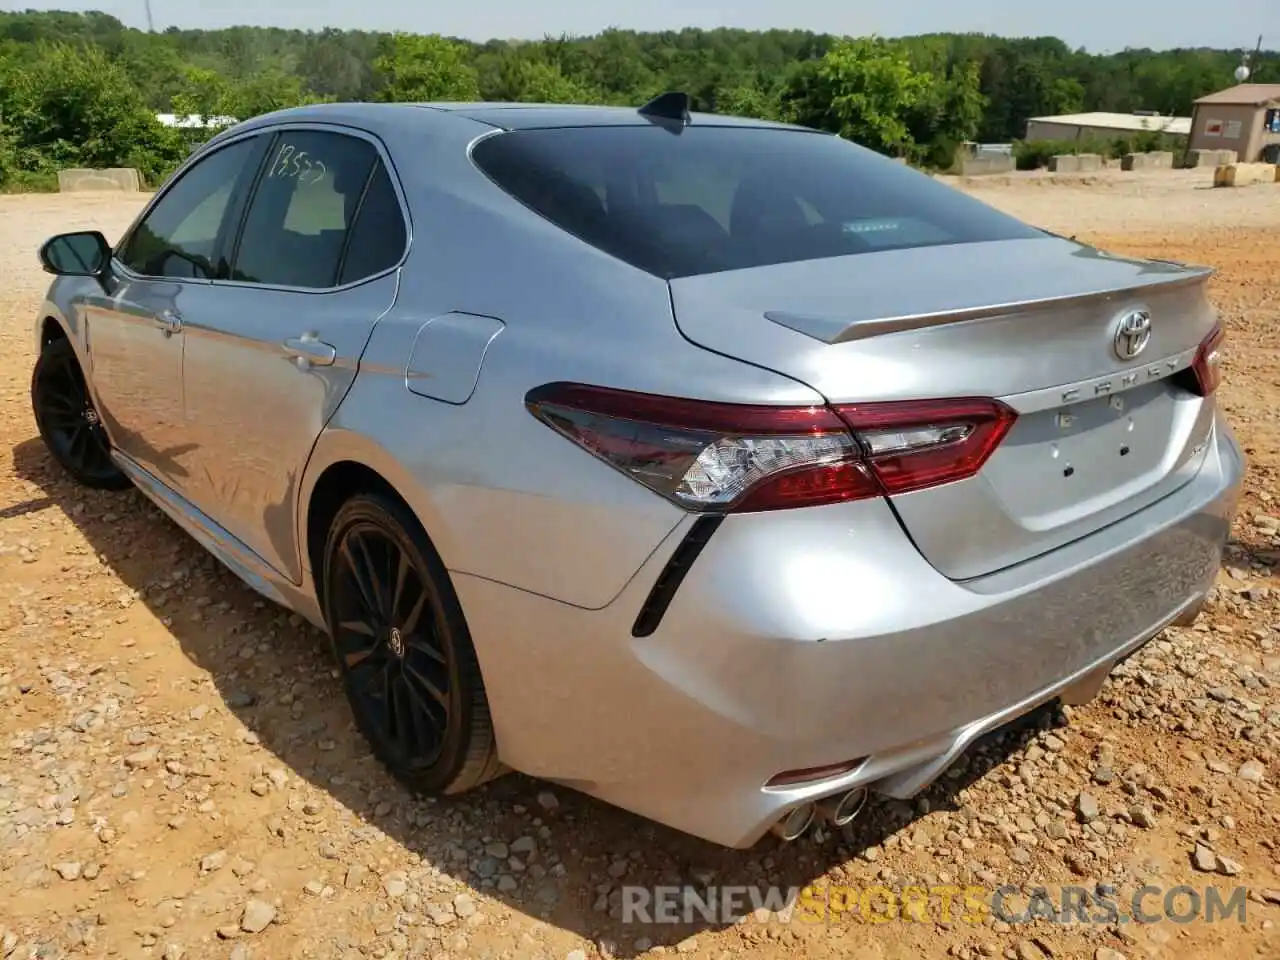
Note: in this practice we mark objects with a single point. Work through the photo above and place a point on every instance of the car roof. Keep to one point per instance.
(502, 116)
(532, 116)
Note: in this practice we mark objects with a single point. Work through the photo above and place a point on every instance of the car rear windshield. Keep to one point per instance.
(708, 198)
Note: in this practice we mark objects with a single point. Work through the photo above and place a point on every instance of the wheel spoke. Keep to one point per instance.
(425, 711)
(404, 712)
(389, 702)
(402, 574)
(59, 404)
(376, 588)
(418, 645)
(410, 624)
(374, 675)
(354, 569)
(434, 692)
(78, 444)
(94, 455)
(61, 421)
(362, 627)
(75, 389)
(354, 658)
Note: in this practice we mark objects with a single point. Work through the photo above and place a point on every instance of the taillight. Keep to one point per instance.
(723, 457)
(1207, 365)
(916, 444)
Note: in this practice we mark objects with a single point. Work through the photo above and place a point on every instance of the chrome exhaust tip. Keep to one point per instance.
(795, 823)
(841, 810)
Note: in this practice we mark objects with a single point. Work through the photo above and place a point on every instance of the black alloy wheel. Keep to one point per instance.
(402, 646)
(67, 420)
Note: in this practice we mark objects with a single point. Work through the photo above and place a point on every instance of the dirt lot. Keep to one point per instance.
(179, 776)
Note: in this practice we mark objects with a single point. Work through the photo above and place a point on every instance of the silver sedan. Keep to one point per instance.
(723, 470)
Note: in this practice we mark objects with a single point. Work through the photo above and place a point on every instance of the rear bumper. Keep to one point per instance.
(806, 638)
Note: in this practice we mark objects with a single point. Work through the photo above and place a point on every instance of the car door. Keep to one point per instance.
(161, 272)
(311, 272)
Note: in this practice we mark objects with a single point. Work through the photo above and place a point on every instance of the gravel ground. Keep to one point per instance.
(179, 776)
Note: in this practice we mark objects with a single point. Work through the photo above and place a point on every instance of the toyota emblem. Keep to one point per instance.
(1133, 333)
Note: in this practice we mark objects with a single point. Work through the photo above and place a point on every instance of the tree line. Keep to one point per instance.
(83, 89)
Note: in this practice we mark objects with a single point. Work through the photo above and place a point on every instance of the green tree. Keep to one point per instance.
(948, 113)
(746, 100)
(72, 106)
(861, 89)
(422, 68)
(202, 93)
(528, 78)
(271, 90)
(916, 96)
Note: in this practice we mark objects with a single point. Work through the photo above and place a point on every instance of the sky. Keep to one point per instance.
(1098, 25)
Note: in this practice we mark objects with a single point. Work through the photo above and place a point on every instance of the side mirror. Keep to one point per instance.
(84, 254)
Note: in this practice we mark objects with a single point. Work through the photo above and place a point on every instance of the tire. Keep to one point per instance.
(391, 660)
(68, 423)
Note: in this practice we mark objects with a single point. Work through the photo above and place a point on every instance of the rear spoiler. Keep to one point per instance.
(834, 329)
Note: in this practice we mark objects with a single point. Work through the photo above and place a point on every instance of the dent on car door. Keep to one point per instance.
(134, 327)
(310, 274)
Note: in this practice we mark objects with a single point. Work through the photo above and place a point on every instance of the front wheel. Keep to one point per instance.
(403, 650)
(68, 423)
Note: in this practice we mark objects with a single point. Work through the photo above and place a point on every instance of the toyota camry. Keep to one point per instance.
(723, 470)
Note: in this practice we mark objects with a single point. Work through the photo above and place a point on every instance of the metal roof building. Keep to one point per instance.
(1083, 126)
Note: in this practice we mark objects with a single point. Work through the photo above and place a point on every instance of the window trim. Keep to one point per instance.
(276, 130)
(214, 147)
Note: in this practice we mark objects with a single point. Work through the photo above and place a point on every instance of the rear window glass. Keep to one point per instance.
(709, 198)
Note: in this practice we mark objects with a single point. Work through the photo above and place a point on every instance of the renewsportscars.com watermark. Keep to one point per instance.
(946, 904)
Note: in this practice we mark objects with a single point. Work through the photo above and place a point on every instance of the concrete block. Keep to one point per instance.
(987, 165)
(1064, 163)
(117, 179)
(1244, 174)
(1156, 160)
(1210, 158)
(1089, 162)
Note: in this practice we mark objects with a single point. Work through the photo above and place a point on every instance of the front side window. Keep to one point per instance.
(710, 198)
(180, 234)
(300, 217)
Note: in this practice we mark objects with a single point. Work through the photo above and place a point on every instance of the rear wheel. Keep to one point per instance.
(403, 649)
(68, 423)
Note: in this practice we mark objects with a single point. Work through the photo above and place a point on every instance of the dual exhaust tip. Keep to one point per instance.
(837, 811)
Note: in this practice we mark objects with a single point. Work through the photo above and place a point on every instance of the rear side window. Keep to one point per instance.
(725, 198)
(378, 237)
(303, 211)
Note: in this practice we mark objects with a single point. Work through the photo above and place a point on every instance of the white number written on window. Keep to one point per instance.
(291, 162)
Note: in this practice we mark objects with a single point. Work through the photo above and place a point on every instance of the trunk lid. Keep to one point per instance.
(1030, 322)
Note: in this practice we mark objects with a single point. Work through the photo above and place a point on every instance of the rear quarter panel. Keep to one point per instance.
(501, 495)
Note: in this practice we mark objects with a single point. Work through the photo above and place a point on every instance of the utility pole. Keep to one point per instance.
(1245, 70)
(151, 26)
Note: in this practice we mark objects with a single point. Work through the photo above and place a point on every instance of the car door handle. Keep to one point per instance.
(170, 321)
(308, 351)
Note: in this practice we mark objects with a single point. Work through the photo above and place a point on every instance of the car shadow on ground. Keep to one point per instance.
(274, 673)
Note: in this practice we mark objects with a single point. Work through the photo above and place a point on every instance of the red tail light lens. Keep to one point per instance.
(1207, 364)
(912, 445)
(720, 457)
